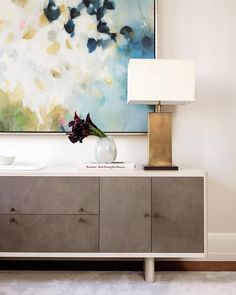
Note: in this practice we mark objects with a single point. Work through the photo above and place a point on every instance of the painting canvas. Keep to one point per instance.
(62, 56)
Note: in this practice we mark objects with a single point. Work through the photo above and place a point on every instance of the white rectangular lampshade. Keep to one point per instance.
(167, 81)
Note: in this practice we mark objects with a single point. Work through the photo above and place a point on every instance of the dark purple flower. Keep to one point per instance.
(89, 121)
(80, 129)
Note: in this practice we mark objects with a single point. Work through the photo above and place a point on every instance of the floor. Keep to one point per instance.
(120, 283)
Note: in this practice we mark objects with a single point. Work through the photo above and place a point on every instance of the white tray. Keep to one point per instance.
(22, 167)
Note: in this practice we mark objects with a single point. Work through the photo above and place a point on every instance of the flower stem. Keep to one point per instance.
(97, 132)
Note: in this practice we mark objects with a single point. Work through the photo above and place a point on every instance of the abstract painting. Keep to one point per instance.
(62, 56)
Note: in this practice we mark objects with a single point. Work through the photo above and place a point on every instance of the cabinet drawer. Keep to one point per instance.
(48, 233)
(49, 195)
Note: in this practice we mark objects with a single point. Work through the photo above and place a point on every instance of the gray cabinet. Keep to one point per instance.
(125, 214)
(49, 233)
(143, 214)
(178, 215)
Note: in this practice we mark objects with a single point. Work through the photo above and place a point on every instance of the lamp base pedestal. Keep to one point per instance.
(160, 142)
(148, 167)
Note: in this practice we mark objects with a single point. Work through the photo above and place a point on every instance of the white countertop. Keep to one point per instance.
(74, 171)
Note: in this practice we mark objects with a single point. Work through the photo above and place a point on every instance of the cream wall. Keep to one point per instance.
(204, 133)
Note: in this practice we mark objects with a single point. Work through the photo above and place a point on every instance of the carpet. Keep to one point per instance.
(120, 283)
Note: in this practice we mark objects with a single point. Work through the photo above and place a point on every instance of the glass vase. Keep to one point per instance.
(105, 150)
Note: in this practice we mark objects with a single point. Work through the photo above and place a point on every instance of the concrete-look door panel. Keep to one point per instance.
(178, 215)
(125, 220)
(49, 195)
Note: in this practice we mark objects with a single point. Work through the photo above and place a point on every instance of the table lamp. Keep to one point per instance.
(158, 82)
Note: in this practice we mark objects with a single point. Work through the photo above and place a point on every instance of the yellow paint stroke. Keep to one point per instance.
(17, 94)
(108, 81)
(21, 3)
(92, 27)
(64, 11)
(39, 84)
(1, 24)
(3, 97)
(68, 44)
(29, 34)
(7, 84)
(56, 74)
(54, 48)
(43, 21)
(10, 37)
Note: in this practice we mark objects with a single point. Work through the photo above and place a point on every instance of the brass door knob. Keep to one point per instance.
(147, 215)
(81, 220)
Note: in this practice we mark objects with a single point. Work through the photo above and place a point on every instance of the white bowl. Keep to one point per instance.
(7, 160)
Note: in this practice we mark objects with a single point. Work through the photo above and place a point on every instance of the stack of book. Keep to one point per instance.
(118, 166)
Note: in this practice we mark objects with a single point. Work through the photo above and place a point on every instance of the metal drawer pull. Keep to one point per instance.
(81, 220)
(12, 210)
(156, 215)
(12, 220)
(147, 215)
(81, 210)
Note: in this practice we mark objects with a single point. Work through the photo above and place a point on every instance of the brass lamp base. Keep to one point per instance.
(160, 142)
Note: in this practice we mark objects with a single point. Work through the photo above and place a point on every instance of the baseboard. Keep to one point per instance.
(222, 246)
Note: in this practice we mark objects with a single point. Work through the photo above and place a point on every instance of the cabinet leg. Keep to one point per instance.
(149, 269)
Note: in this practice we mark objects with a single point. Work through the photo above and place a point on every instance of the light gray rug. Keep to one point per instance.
(120, 283)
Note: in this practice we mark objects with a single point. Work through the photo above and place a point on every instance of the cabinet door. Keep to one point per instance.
(125, 218)
(48, 233)
(178, 210)
(49, 195)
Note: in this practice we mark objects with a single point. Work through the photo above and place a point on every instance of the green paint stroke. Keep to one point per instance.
(14, 116)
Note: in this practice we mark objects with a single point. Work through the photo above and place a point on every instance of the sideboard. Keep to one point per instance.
(67, 213)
